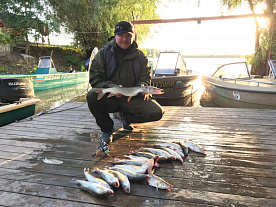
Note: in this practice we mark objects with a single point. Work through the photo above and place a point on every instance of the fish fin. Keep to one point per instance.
(129, 98)
(110, 95)
(100, 96)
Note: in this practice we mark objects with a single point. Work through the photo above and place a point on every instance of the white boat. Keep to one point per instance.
(233, 86)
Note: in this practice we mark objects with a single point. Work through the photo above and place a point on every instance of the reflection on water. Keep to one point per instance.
(56, 97)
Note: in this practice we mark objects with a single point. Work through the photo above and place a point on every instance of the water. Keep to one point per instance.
(77, 93)
(57, 97)
(207, 66)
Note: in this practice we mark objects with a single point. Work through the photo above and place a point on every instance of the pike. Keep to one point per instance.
(93, 179)
(95, 188)
(128, 91)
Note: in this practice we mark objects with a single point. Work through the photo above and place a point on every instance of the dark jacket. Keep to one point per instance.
(124, 73)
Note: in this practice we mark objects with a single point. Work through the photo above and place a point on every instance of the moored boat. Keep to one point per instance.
(172, 76)
(16, 100)
(47, 77)
(233, 86)
(11, 112)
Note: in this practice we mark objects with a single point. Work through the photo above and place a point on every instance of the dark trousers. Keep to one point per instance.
(137, 110)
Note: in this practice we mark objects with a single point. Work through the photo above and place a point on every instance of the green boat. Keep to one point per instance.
(16, 111)
(47, 77)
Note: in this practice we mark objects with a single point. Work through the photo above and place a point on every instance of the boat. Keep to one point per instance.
(233, 86)
(47, 77)
(16, 100)
(178, 84)
(11, 112)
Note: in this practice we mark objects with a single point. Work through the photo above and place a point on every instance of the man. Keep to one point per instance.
(121, 63)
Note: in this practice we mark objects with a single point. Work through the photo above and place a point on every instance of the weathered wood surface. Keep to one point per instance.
(238, 170)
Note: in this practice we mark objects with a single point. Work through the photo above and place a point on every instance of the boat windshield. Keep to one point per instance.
(233, 70)
(45, 63)
(168, 62)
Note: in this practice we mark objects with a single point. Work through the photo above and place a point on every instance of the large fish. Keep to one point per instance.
(128, 91)
(93, 179)
(95, 188)
(123, 180)
(108, 177)
(130, 174)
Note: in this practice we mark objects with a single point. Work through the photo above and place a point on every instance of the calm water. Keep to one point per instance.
(56, 97)
(208, 66)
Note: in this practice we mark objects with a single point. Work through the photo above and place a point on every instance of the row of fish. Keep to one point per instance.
(138, 167)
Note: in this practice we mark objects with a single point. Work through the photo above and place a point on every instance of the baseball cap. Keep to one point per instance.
(124, 27)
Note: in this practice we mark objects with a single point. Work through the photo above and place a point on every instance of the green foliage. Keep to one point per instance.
(266, 43)
(93, 21)
(5, 38)
(21, 18)
(4, 70)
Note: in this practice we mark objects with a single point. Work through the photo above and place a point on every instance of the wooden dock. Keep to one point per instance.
(238, 170)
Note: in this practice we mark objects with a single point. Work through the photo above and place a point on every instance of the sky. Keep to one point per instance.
(234, 36)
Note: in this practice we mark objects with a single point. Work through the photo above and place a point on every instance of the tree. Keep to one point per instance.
(93, 21)
(21, 18)
(265, 46)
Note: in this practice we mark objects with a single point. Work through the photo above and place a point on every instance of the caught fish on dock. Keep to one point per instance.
(159, 152)
(194, 147)
(173, 153)
(158, 182)
(134, 162)
(108, 177)
(130, 174)
(93, 179)
(149, 155)
(95, 188)
(124, 182)
(128, 91)
(140, 169)
(173, 146)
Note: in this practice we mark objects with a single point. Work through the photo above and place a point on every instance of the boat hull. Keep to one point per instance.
(17, 111)
(49, 81)
(178, 90)
(234, 95)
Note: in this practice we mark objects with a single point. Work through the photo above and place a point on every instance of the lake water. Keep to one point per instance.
(208, 66)
(56, 97)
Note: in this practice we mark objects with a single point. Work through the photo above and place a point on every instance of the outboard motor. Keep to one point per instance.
(12, 89)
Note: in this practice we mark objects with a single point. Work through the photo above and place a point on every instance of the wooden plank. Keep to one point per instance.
(239, 168)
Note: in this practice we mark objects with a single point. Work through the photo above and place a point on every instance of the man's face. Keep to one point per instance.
(124, 40)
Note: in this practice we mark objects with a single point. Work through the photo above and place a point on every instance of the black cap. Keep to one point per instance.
(124, 27)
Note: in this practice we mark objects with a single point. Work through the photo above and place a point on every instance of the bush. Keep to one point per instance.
(5, 38)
